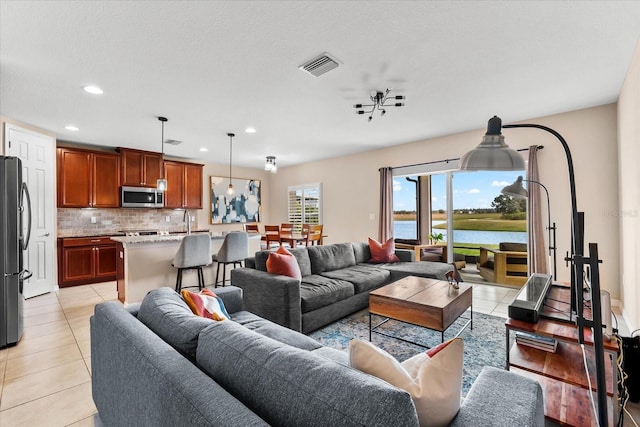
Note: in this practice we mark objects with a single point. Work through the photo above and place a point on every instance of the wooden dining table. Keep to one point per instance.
(292, 238)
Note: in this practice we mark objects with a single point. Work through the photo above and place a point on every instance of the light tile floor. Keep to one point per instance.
(46, 378)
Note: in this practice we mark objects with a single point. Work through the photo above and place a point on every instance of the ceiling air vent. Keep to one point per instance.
(320, 65)
(172, 142)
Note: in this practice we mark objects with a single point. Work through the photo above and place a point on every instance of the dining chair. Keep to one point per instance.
(194, 253)
(305, 230)
(272, 235)
(251, 228)
(314, 235)
(234, 249)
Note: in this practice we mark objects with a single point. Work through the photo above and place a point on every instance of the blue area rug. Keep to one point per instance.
(483, 346)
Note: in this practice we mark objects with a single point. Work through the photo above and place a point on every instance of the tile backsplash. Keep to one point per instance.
(95, 222)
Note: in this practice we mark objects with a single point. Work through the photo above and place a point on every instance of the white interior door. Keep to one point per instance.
(38, 170)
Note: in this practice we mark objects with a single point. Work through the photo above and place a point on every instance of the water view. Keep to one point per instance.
(407, 230)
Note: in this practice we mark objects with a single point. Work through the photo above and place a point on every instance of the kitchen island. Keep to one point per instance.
(144, 263)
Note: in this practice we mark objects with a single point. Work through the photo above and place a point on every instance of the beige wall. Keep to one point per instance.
(204, 214)
(350, 183)
(629, 177)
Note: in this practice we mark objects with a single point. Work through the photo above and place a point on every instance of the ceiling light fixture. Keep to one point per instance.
(270, 164)
(379, 100)
(250, 130)
(230, 190)
(161, 184)
(95, 90)
(72, 128)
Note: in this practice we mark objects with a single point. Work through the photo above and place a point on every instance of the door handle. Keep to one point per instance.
(46, 235)
(25, 242)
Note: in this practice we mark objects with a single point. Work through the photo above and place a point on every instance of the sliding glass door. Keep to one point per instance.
(464, 209)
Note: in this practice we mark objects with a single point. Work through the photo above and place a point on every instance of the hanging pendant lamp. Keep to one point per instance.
(161, 184)
(230, 190)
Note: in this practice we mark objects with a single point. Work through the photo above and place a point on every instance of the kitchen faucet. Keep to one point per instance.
(187, 218)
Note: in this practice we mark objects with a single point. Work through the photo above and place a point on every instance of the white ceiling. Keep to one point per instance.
(213, 67)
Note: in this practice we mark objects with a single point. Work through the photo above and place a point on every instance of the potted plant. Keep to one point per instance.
(435, 238)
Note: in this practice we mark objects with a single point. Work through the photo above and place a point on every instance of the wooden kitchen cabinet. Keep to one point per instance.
(87, 179)
(184, 185)
(139, 168)
(83, 260)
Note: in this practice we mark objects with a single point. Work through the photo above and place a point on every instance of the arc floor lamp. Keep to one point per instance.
(517, 190)
(494, 154)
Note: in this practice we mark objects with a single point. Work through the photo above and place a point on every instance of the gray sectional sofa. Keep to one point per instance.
(336, 280)
(156, 364)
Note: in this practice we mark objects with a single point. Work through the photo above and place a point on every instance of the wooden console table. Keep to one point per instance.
(561, 374)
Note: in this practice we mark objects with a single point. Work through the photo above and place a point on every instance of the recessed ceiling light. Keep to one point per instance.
(93, 89)
(204, 149)
(250, 130)
(72, 127)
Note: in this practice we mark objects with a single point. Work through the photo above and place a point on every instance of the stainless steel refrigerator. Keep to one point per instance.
(15, 230)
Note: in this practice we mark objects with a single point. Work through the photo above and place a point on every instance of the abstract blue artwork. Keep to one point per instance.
(242, 206)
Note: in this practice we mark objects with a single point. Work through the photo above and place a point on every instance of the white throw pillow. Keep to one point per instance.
(433, 378)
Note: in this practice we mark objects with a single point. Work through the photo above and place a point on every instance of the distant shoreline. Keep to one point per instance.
(481, 222)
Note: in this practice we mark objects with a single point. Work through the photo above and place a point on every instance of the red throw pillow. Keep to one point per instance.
(382, 252)
(284, 263)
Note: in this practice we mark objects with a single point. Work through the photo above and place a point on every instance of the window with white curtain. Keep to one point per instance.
(305, 205)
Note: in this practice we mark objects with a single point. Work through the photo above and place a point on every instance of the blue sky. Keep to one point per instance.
(470, 190)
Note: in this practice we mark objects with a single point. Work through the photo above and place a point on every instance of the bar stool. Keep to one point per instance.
(193, 254)
(234, 249)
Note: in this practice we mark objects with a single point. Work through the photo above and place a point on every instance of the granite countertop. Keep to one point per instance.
(84, 235)
(154, 238)
(167, 238)
(72, 234)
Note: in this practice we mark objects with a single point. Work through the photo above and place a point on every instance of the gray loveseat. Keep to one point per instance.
(336, 280)
(156, 364)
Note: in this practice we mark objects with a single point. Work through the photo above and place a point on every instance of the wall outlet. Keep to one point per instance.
(192, 218)
(167, 218)
(94, 220)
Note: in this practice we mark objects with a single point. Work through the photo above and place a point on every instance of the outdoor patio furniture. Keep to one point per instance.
(430, 252)
(506, 265)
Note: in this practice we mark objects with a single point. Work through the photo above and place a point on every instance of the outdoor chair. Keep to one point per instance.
(506, 265)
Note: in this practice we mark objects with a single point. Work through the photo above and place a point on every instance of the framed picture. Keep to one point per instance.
(243, 206)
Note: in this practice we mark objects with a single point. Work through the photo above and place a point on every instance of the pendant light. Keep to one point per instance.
(161, 184)
(230, 190)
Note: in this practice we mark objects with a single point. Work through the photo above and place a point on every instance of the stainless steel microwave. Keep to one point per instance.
(141, 197)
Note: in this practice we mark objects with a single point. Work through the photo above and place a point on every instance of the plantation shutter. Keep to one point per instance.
(305, 205)
(295, 206)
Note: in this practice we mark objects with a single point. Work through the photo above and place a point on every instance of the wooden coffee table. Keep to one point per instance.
(430, 303)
